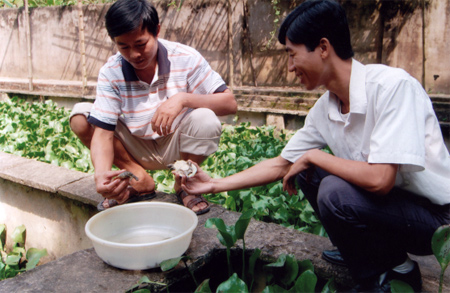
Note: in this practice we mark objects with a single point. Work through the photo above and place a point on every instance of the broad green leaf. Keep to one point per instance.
(291, 270)
(305, 265)
(282, 214)
(169, 264)
(285, 269)
(440, 243)
(398, 286)
(142, 282)
(252, 262)
(34, 255)
(2, 271)
(11, 271)
(12, 259)
(7, 3)
(19, 235)
(203, 287)
(306, 282)
(232, 285)
(274, 289)
(330, 286)
(242, 223)
(19, 251)
(2, 237)
(228, 236)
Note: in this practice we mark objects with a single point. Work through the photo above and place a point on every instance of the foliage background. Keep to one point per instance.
(41, 131)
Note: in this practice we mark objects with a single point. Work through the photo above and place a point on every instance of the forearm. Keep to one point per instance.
(102, 151)
(262, 173)
(221, 103)
(376, 178)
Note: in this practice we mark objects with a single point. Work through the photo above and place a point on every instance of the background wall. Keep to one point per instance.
(233, 35)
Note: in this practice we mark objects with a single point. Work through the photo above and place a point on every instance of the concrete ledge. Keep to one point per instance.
(63, 202)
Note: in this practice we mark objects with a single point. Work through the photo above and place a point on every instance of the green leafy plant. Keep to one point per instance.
(440, 243)
(228, 235)
(286, 274)
(41, 131)
(18, 259)
(143, 284)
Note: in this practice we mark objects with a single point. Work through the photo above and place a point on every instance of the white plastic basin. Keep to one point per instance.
(138, 236)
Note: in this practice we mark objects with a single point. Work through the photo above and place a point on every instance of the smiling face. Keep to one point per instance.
(139, 48)
(306, 65)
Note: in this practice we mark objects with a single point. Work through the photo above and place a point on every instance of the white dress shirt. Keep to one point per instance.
(391, 120)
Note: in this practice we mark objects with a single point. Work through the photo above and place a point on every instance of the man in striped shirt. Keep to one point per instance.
(157, 101)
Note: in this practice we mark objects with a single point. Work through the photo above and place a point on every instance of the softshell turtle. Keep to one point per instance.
(182, 167)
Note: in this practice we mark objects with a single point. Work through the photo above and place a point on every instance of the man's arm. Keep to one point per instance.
(222, 104)
(262, 173)
(102, 156)
(376, 178)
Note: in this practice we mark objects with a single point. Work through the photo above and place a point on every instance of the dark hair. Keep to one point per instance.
(316, 19)
(125, 16)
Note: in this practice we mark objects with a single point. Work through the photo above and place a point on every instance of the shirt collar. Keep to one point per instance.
(358, 98)
(163, 66)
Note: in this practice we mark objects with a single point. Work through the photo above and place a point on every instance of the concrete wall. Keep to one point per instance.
(52, 202)
(407, 34)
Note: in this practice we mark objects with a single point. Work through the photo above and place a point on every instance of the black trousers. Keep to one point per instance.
(373, 233)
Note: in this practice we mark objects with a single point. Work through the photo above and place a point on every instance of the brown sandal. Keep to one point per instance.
(193, 202)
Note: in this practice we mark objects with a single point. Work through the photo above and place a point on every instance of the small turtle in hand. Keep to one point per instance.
(182, 167)
(126, 174)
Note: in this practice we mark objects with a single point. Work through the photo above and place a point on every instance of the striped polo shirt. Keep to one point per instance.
(121, 95)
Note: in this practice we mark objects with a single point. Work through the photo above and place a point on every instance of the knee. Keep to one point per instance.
(82, 129)
(204, 122)
(332, 197)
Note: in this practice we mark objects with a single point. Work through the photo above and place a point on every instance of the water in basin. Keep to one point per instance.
(143, 235)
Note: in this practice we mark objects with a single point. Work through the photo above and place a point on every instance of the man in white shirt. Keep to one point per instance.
(157, 101)
(387, 187)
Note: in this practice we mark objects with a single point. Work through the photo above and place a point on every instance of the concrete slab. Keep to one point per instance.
(84, 271)
(9, 160)
(39, 175)
(82, 190)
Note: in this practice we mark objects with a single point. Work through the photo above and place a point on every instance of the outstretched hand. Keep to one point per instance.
(201, 183)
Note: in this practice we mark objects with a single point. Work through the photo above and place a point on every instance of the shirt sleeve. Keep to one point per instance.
(307, 138)
(107, 105)
(399, 133)
(203, 79)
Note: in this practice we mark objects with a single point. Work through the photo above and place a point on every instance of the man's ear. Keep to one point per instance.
(157, 31)
(324, 47)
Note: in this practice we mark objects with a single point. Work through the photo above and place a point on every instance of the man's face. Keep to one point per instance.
(139, 48)
(306, 65)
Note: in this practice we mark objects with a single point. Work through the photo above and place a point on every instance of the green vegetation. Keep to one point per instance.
(18, 259)
(286, 274)
(440, 243)
(41, 131)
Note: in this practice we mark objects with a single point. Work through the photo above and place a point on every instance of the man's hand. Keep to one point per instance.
(166, 113)
(112, 189)
(289, 179)
(201, 183)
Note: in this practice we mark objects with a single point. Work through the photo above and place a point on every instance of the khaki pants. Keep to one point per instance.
(198, 133)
